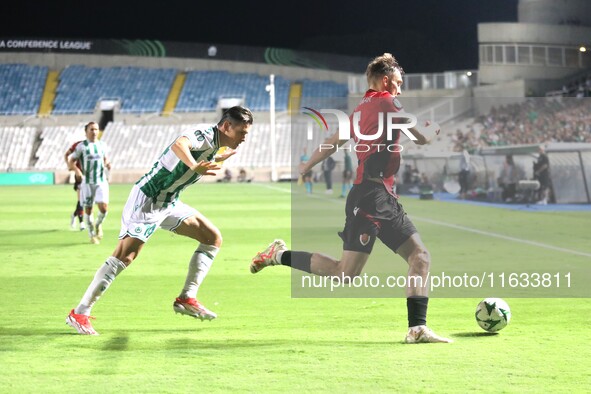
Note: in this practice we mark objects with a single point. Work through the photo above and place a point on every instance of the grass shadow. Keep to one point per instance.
(475, 334)
(117, 344)
(184, 344)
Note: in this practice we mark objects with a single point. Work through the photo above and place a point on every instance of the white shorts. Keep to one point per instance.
(141, 217)
(89, 194)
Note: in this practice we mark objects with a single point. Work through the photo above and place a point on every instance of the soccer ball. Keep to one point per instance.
(493, 314)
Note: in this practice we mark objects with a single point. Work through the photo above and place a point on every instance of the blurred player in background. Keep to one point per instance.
(91, 153)
(347, 174)
(372, 209)
(78, 212)
(306, 177)
(154, 202)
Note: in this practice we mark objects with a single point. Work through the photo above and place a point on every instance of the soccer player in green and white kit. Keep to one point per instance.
(154, 202)
(91, 153)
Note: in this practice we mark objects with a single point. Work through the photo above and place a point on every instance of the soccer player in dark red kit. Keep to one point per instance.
(372, 209)
(78, 212)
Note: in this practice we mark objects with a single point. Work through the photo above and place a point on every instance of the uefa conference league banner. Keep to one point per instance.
(156, 48)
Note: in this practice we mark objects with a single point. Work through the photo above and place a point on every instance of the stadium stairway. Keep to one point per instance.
(175, 93)
(49, 92)
(295, 98)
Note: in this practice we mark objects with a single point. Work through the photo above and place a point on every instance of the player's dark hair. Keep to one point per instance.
(382, 65)
(237, 114)
(88, 124)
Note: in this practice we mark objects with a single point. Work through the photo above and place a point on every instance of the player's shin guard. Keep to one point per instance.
(102, 280)
(298, 260)
(79, 212)
(199, 266)
(417, 310)
(100, 218)
(88, 219)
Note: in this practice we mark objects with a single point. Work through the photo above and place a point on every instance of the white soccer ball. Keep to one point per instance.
(493, 314)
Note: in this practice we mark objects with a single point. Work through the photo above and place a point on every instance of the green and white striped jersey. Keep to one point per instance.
(170, 176)
(92, 159)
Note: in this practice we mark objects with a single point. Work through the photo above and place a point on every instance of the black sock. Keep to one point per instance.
(297, 260)
(79, 211)
(417, 310)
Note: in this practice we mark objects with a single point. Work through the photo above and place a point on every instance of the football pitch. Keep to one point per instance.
(264, 340)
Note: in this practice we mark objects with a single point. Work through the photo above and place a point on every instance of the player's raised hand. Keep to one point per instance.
(432, 128)
(205, 167)
(224, 154)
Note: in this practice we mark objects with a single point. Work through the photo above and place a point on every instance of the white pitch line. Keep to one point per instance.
(501, 236)
(463, 228)
(281, 189)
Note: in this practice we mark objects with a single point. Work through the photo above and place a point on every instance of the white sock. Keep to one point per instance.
(103, 278)
(88, 219)
(278, 256)
(100, 217)
(198, 268)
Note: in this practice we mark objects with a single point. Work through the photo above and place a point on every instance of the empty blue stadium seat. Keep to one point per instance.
(203, 89)
(141, 90)
(324, 94)
(21, 88)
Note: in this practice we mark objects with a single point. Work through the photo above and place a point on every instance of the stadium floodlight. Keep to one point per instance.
(583, 48)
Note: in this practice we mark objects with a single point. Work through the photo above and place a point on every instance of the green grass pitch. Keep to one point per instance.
(264, 340)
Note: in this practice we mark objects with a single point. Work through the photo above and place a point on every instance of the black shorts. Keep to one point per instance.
(544, 182)
(372, 212)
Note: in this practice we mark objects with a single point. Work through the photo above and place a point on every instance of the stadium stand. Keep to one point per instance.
(324, 94)
(137, 146)
(21, 87)
(55, 140)
(141, 90)
(203, 89)
(530, 122)
(16, 146)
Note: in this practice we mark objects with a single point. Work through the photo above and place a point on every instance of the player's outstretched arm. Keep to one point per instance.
(329, 146)
(181, 149)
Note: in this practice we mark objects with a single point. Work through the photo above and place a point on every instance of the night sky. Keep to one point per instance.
(425, 35)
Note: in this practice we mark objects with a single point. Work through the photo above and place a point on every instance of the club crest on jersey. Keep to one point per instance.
(396, 103)
(364, 239)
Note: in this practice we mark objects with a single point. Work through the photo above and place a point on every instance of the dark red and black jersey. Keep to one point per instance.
(379, 158)
(71, 150)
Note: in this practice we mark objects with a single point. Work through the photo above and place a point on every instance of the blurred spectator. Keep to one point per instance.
(328, 165)
(243, 176)
(407, 174)
(227, 176)
(532, 122)
(464, 176)
(542, 175)
(347, 175)
(510, 176)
